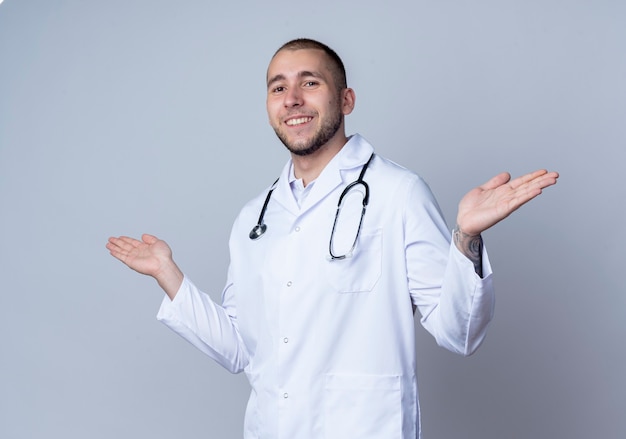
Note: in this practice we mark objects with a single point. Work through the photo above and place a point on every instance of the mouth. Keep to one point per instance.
(296, 121)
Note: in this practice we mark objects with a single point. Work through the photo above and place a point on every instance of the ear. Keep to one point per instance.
(348, 99)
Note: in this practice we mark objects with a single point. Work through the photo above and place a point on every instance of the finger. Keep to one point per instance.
(532, 185)
(548, 179)
(527, 178)
(116, 252)
(496, 181)
(124, 243)
(114, 242)
(149, 239)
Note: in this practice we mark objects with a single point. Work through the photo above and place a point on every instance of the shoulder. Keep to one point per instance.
(396, 175)
(395, 188)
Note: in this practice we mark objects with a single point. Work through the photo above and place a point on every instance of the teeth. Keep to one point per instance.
(298, 121)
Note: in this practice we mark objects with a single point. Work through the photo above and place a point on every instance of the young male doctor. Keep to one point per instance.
(319, 302)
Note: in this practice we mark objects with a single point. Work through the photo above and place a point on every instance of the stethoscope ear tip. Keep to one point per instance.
(257, 231)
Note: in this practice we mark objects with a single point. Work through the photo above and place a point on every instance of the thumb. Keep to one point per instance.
(149, 239)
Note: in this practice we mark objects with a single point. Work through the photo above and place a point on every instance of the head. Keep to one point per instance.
(307, 96)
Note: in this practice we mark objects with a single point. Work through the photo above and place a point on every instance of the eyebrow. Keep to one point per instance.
(302, 74)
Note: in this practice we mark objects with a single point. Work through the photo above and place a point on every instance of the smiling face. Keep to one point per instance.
(305, 106)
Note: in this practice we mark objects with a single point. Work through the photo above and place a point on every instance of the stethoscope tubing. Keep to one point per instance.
(260, 228)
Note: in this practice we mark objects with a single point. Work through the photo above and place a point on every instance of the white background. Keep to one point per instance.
(123, 117)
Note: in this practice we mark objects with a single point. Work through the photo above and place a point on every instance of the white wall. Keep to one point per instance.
(119, 117)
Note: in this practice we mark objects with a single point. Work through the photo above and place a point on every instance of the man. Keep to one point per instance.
(319, 302)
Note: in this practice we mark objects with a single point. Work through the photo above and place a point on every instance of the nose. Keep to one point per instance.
(293, 97)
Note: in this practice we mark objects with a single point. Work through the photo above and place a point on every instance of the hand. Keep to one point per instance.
(147, 256)
(150, 256)
(490, 203)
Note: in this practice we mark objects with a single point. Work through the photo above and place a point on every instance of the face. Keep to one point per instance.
(303, 104)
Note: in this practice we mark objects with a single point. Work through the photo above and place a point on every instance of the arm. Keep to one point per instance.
(455, 304)
(193, 315)
(490, 203)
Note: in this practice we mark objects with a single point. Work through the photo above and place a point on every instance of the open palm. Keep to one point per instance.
(147, 256)
(488, 204)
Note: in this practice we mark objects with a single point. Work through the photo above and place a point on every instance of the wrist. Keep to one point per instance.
(465, 232)
(471, 246)
(169, 278)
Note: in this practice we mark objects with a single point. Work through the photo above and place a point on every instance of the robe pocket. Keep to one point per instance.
(359, 272)
(363, 407)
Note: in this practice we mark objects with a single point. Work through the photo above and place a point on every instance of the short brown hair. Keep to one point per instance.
(336, 65)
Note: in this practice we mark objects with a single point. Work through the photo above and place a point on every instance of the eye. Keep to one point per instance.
(311, 83)
(278, 89)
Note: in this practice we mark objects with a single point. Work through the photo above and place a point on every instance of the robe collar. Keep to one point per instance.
(352, 155)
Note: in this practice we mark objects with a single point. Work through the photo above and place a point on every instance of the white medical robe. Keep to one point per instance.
(328, 345)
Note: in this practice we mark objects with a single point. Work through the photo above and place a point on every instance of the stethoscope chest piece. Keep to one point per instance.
(257, 231)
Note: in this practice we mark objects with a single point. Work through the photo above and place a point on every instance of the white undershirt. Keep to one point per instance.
(299, 191)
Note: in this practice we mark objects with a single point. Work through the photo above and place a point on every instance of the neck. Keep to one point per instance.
(309, 167)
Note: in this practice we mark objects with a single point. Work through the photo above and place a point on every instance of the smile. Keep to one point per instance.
(299, 121)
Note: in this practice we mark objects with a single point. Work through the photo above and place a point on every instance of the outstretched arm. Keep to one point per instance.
(486, 205)
(150, 256)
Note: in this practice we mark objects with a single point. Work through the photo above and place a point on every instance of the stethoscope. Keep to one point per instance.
(260, 228)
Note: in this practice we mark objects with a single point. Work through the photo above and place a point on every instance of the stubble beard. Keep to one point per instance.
(320, 138)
